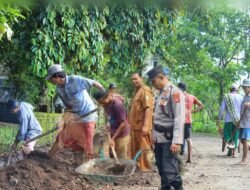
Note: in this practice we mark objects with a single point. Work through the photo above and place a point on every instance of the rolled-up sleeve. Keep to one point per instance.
(179, 118)
(85, 83)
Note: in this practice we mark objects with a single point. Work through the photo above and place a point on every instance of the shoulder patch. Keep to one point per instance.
(176, 97)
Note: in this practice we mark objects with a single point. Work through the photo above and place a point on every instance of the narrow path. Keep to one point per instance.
(212, 169)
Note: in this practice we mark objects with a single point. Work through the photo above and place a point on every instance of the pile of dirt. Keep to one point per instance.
(39, 172)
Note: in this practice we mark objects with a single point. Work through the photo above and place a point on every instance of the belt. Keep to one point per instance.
(162, 129)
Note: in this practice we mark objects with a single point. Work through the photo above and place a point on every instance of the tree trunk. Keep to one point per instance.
(221, 91)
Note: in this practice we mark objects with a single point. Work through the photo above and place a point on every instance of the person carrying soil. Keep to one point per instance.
(117, 124)
(168, 130)
(140, 119)
(190, 101)
(73, 91)
(231, 104)
(244, 127)
(29, 127)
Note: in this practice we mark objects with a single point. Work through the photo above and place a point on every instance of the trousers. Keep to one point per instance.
(168, 166)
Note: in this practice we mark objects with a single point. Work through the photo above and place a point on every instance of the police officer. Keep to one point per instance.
(168, 133)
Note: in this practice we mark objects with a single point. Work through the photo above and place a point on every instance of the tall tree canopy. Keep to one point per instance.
(207, 48)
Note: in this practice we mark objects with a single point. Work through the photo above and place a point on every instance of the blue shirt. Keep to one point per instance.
(29, 127)
(75, 96)
(245, 122)
(237, 101)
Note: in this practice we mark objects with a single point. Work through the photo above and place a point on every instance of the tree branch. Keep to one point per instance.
(233, 54)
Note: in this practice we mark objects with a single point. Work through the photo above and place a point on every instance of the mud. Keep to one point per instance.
(210, 169)
(39, 172)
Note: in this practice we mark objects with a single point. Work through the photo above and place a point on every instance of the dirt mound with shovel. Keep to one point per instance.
(41, 173)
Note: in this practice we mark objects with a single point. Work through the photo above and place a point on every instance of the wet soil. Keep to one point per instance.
(39, 172)
(210, 169)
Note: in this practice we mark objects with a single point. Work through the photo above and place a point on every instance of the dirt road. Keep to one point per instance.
(210, 170)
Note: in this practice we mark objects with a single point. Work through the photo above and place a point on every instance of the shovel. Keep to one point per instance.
(45, 134)
(10, 156)
(118, 168)
(231, 143)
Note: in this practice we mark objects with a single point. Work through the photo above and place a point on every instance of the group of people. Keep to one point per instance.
(160, 123)
(236, 112)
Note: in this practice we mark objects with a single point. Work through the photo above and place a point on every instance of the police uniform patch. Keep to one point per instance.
(176, 97)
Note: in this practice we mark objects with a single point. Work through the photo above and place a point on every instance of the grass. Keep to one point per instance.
(7, 136)
(8, 131)
(200, 127)
(47, 120)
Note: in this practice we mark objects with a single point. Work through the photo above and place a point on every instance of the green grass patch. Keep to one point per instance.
(47, 120)
(200, 127)
(7, 136)
(8, 131)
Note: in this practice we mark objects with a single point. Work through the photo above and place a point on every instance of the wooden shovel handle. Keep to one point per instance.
(113, 151)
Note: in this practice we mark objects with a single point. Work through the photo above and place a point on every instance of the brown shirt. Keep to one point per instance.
(142, 100)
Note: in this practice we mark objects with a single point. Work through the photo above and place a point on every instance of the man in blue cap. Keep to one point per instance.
(73, 91)
(168, 130)
(29, 127)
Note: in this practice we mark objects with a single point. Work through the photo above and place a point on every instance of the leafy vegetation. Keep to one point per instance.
(208, 48)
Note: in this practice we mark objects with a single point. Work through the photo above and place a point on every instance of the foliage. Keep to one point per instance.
(88, 40)
(10, 12)
(206, 48)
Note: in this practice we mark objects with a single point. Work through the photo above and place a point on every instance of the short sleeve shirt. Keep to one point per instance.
(76, 97)
(116, 114)
(142, 100)
(245, 122)
(190, 100)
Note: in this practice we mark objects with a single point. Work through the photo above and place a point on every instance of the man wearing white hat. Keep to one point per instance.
(73, 91)
(231, 105)
(244, 131)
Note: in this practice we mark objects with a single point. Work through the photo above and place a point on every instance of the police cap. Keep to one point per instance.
(155, 71)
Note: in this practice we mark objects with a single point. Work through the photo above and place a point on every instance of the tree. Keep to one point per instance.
(208, 49)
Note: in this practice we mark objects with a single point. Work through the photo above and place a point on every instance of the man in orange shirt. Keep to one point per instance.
(190, 100)
(140, 118)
